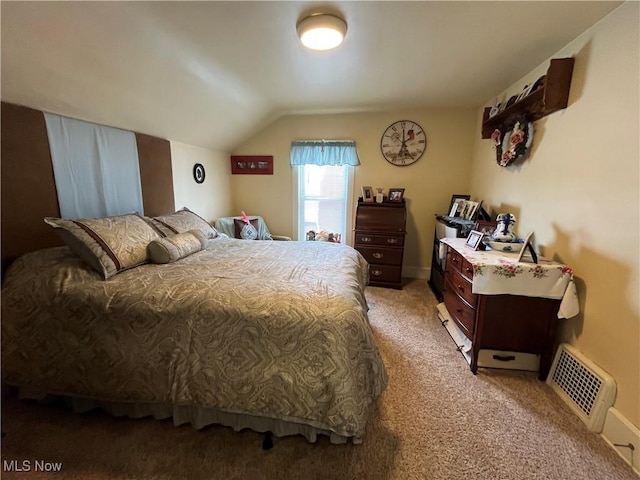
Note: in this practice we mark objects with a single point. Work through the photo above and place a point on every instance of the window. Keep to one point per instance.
(322, 201)
(324, 189)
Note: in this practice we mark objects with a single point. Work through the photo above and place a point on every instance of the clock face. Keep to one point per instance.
(403, 143)
(198, 173)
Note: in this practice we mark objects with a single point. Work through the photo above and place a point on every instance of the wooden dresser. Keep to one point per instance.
(506, 331)
(445, 227)
(379, 237)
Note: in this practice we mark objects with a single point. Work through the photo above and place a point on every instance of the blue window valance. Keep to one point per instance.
(324, 152)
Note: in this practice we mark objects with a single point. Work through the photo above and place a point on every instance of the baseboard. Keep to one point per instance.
(619, 432)
(416, 272)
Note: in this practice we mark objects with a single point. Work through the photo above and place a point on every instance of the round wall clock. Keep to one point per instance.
(198, 173)
(403, 143)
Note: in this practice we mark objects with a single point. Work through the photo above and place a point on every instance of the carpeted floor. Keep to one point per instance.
(435, 421)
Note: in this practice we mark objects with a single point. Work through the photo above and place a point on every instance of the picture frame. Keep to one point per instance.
(486, 227)
(513, 99)
(539, 83)
(483, 214)
(473, 240)
(528, 246)
(453, 212)
(463, 208)
(367, 194)
(471, 208)
(457, 197)
(252, 164)
(525, 91)
(396, 195)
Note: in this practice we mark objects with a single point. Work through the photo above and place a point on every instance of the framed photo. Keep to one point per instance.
(396, 195)
(367, 194)
(471, 209)
(455, 208)
(252, 165)
(456, 197)
(528, 246)
(494, 110)
(483, 214)
(525, 91)
(464, 207)
(513, 99)
(487, 228)
(473, 240)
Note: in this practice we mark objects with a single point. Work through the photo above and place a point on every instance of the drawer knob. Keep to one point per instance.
(376, 273)
(458, 310)
(392, 240)
(454, 260)
(468, 270)
(378, 255)
(461, 288)
(365, 239)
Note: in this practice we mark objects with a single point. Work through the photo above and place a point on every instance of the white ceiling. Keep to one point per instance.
(211, 73)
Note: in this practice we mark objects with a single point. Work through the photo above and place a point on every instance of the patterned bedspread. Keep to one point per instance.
(275, 329)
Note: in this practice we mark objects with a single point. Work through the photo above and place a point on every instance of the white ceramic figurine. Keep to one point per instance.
(504, 230)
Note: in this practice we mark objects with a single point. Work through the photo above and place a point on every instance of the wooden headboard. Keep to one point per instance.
(28, 189)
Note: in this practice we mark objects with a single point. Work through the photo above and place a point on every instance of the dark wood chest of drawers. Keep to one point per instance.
(500, 323)
(380, 231)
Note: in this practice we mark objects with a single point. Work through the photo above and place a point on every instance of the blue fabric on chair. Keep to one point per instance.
(226, 225)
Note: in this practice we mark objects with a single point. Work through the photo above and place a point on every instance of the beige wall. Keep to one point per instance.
(579, 193)
(429, 183)
(210, 199)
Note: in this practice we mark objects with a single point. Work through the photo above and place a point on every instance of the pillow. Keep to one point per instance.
(109, 244)
(175, 247)
(246, 231)
(182, 221)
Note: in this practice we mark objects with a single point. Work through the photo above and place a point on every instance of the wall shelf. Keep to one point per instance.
(551, 97)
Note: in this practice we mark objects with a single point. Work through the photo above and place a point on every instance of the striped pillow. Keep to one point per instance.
(182, 221)
(109, 244)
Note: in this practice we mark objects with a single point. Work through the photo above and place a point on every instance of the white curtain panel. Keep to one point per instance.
(95, 168)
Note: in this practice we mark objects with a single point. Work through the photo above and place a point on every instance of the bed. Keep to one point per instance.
(272, 336)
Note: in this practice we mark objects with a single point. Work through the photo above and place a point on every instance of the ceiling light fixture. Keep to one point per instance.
(321, 31)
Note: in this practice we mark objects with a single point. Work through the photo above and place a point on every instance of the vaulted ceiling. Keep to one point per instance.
(211, 73)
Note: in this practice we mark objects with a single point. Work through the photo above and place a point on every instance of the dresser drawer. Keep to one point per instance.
(364, 238)
(381, 255)
(383, 218)
(510, 360)
(459, 263)
(460, 311)
(462, 286)
(385, 273)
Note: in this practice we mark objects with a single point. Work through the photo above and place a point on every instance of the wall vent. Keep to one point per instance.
(584, 386)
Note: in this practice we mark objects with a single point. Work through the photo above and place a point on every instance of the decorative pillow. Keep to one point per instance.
(246, 231)
(175, 247)
(109, 244)
(182, 221)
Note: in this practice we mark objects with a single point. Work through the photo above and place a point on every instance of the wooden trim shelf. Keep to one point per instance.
(385, 203)
(553, 96)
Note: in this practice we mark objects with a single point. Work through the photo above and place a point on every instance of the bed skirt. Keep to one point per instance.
(197, 416)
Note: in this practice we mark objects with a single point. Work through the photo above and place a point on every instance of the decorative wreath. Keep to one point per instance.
(515, 142)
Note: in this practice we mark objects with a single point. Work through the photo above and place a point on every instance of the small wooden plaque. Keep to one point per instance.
(252, 165)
